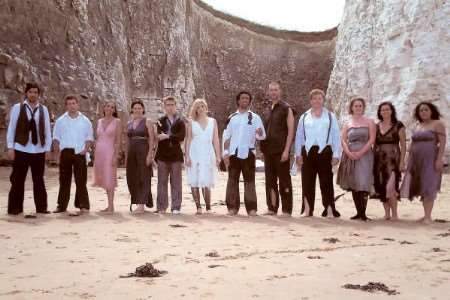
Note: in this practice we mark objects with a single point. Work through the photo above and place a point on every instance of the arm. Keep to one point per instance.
(57, 135)
(89, 138)
(151, 138)
(442, 141)
(370, 142)
(345, 144)
(117, 142)
(260, 130)
(299, 138)
(180, 134)
(187, 144)
(48, 131)
(10, 135)
(335, 138)
(290, 136)
(216, 142)
(402, 135)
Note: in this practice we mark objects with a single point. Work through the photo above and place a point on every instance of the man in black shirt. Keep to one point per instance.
(171, 131)
(279, 125)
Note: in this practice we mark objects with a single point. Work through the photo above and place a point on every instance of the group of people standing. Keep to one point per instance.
(371, 156)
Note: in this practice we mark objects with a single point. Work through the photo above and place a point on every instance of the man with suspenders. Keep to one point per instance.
(317, 150)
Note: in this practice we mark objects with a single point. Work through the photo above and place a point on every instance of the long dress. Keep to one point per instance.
(356, 175)
(386, 170)
(421, 178)
(138, 173)
(105, 174)
(203, 170)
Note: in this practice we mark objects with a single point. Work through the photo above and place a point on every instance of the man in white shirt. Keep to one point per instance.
(28, 139)
(317, 150)
(73, 138)
(242, 130)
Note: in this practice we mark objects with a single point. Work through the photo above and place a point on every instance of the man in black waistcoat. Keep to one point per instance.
(279, 124)
(28, 140)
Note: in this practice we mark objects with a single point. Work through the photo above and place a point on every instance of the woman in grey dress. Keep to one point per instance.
(425, 162)
(140, 157)
(355, 172)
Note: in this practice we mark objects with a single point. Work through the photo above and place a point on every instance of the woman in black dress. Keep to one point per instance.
(389, 154)
(140, 157)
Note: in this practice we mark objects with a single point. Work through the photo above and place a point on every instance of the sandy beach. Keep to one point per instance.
(220, 257)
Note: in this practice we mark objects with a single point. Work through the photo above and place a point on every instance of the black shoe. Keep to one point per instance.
(365, 218)
(356, 217)
(336, 214)
(58, 211)
(45, 212)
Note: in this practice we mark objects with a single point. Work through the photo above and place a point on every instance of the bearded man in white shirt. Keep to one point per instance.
(317, 150)
(29, 140)
(242, 130)
(73, 138)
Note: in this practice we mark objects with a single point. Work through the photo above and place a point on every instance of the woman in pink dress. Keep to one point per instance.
(106, 152)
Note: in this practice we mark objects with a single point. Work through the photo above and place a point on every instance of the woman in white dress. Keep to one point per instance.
(202, 150)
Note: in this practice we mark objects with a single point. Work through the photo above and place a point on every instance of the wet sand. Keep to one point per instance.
(62, 257)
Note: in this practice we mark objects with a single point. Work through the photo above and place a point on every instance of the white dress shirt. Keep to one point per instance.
(73, 133)
(242, 135)
(316, 131)
(29, 147)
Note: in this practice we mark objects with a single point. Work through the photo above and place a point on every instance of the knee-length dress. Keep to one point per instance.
(203, 170)
(105, 174)
(421, 178)
(356, 175)
(138, 173)
(386, 160)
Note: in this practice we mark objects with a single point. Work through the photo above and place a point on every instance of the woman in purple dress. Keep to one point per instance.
(425, 162)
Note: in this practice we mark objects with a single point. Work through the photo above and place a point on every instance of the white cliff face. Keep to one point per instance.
(397, 51)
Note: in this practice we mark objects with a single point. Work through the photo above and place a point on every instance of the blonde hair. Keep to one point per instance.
(193, 113)
(316, 92)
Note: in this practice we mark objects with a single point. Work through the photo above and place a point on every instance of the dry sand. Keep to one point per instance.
(56, 257)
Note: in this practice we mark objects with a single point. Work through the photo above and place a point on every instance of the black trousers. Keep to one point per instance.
(247, 167)
(68, 161)
(315, 163)
(22, 161)
(277, 171)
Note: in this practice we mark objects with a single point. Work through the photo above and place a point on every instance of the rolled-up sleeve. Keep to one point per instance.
(259, 125)
(335, 138)
(299, 137)
(48, 131)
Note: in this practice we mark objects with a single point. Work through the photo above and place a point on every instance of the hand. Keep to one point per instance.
(11, 154)
(259, 131)
(48, 156)
(402, 167)
(299, 162)
(439, 165)
(351, 155)
(114, 162)
(188, 162)
(334, 161)
(226, 160)
(217, 162)
(284, 156)
(162, 137)
(149, 160)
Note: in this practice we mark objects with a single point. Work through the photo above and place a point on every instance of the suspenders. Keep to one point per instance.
(329, 127)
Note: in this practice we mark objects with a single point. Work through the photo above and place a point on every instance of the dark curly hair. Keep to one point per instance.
(393, 114)
(435, 114)
(243, 93)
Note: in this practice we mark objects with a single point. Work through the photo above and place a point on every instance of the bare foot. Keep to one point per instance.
(138, 211)
(199, 211)
(84, 211)
(232, 212)
(421, 219)
(387, 217)
(394, 218)
(427, 221)
(107, 210)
